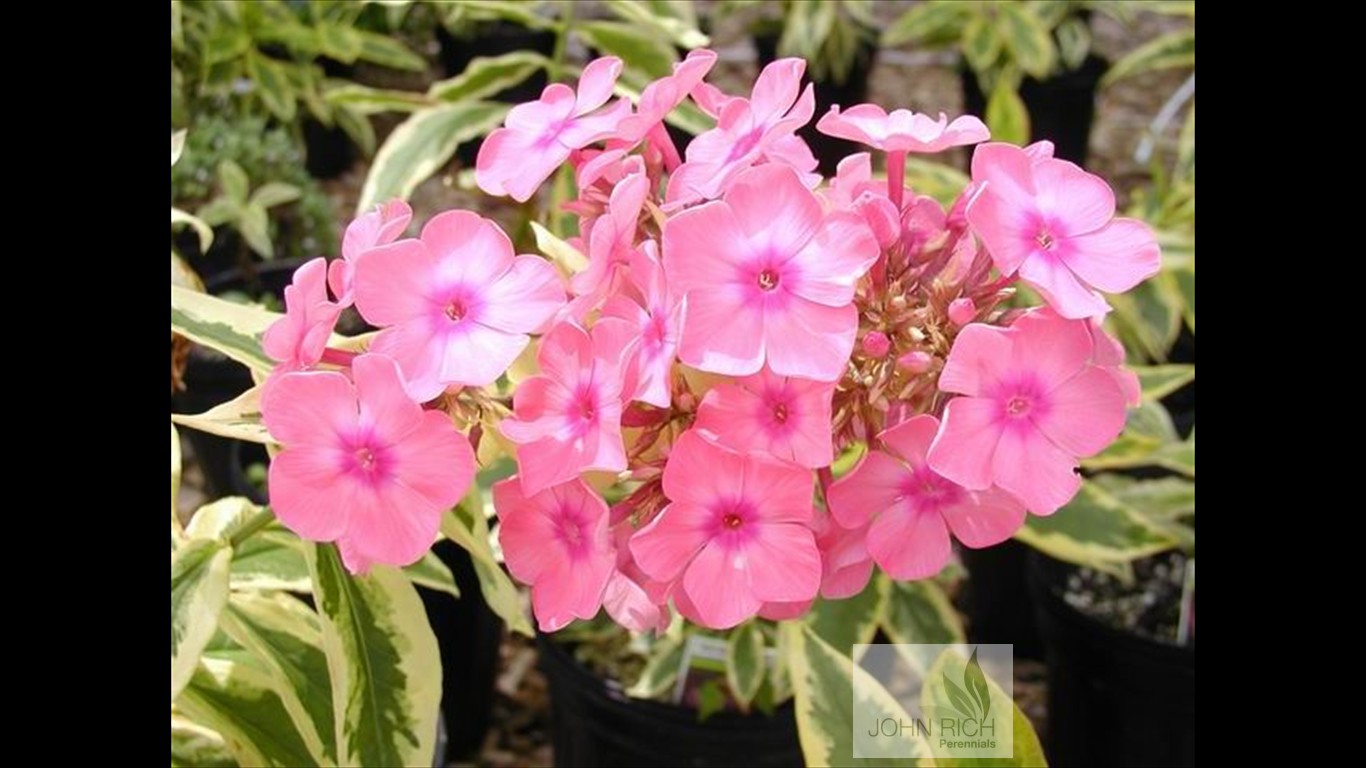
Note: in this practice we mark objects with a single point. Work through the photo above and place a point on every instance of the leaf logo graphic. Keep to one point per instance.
(972, 699)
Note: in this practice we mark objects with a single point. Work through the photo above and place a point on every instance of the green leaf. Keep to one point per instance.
(1074, 41)
(1007, 117)
(1027, 40)
(235, 698)
(225, 44)
(225, 518)
(219, 211)
(561, 254)
(823, 684)
(272, 84)
(661, 669)
(271, 560)
(672, 21)
(485, 76)
(233, 329)
(357, 127)
(274, 193)
(1170, 51)
(201, 228)
(942, 182)
(339, 42)
(920, 612)
(254, 225)
(386, 51)
(239, 419)
(382, 660)
(1095, 529)
(369, 101)
(848, 622)
(745, 663)
(710, 699)
(199, 589)
(194, 746)
(646, 55)
(422, 145)
(177, 147)
(283, 634)
(1162, 498)
(469, 529)
(936, 695)
(981, 44)
(1148, 318)
(433, 574)
(1185, 283)
(1158, 381)
(233, 181)
(936, 22)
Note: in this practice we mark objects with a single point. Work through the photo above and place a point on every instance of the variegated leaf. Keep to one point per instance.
(199, 588)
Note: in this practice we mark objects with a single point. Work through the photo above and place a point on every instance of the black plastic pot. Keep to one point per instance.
(212, 379)
(997, 599)
(1061, 108)
(1114, 698)
(596, 724)
(328, 150)
(854, 90)
(469, 635)
(495, 39)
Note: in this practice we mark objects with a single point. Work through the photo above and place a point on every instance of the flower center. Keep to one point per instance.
(571, 532)
(1045, 240)
(732, 521)
(768, 279)
(780, 413)
(1017, 406)
(365, 459)
(455, 311)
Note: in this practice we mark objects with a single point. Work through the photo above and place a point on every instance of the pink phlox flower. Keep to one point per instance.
(1032, 403)
(913, 508)
(769, 276)
(538, 136)
(747, 132)
(567, 420)
(297, 340)
(611, 242)
(361, 462)
(660, 97)
(1055, 224)
(456, 306)
(1107, 352)
(902, 130)
(737, 530)
(556, 540)
(657, 319)
(381, 225)
(785, 417)
(853, 188)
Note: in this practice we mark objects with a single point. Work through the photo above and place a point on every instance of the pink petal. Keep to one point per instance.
(863, 123)
(628, 605)
(840, 252)
(876, 486)
(1080, 202)
(1085, 414)
(911, 439)
(393, 281)
(964, 449)
(599, 126)
(566, 352)
(671, 540)
(308, 492)
(1035, 471)
(1116, 257)
(1007, 227)
(393, 525)
(722, 334)
(469, 249)
(419, 356)
(909, 545)
(704, 246)
(311, 407)
(523, 299)
(1068, 296)
(1051, 352)
(783, 563)
(784, 611)
(717, 583)
(807, 340)
(476, 355)
(776, 88)
(702, 473)
(847, 581)
(436, 461)
(1008, 171)
(524, 532)
(775, 210)
(385, 408)
(534, 117)
(568, 593)
(984, 518)
(783, 490)
(547, 462)
(596, 83)
(977, 360)
(541, 405)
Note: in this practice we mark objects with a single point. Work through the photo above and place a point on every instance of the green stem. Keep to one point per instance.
(259, 519)
(561, 42)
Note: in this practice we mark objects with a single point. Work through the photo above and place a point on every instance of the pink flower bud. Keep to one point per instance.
(962, 311)
(876, 344)
(915, 362)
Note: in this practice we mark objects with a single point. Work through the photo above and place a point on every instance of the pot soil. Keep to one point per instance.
(1120, 690)
(595, 723)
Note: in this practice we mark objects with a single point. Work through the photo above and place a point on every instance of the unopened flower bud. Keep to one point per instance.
(962, 311)
(915, 362)
(876, 344)
(899, 302)
(685, 402)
